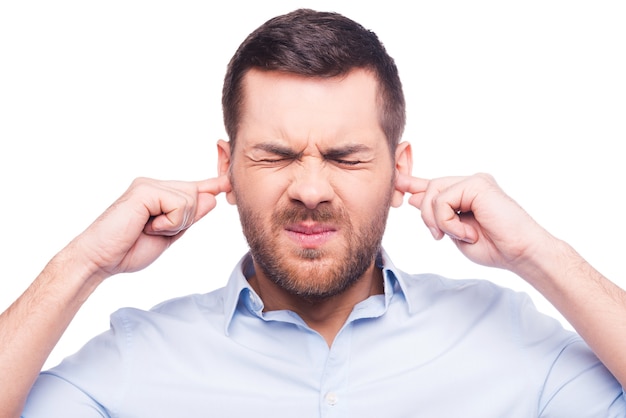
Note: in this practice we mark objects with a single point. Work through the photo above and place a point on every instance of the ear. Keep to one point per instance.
(404, 165)
(224, 166)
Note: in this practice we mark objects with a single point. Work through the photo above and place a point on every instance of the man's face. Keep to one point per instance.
(313, 179)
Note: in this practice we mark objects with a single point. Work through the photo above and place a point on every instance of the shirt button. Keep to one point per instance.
(331, 398)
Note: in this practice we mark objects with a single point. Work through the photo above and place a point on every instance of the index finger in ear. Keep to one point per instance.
(215, 185)
(410, 184)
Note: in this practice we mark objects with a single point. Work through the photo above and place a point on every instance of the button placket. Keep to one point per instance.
(336, 376)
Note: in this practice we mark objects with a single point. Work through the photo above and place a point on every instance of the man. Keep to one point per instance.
(316, 320)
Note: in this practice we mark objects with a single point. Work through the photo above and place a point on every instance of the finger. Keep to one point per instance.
(413, 185)
(423, 202)
(207, 191)
(171, 221)
(420, 189)
(427, 202)
(452, 210)
(410, 184)
(181, 204)
(215, 185)
(172, 208)
(455, 224)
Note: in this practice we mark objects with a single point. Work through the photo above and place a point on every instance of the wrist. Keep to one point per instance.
(71, 269)
(550, 266)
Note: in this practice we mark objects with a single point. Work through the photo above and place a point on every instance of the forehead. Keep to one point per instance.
(286, 107)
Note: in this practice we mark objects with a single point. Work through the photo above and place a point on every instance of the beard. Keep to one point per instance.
(314, 273)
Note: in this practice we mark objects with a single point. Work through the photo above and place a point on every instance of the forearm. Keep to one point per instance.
(592, 304)
(33, 324)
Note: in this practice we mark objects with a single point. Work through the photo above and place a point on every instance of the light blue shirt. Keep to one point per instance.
(429, 347)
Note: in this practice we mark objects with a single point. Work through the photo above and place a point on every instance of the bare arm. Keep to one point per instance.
(493, 230)
(130, 235)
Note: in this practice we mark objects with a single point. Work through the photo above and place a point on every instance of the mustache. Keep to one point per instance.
(295, 213)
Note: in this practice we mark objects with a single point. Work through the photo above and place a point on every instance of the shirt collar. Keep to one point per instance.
(239, 293)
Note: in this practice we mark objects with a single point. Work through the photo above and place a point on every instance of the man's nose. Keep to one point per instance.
(311, 184)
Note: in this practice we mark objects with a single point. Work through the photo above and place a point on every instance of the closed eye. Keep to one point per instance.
(273, 160)
(348, 162)
(268, 153)
(348, 156)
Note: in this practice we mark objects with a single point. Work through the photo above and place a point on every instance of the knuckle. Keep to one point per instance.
(485, 177)
(139, 181)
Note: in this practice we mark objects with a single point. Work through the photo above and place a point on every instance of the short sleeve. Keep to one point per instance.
(52, 396)
(88, 383)
(573, 381)
(579, 385)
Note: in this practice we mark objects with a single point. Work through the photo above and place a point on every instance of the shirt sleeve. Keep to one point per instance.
(53, 396)
(574, 382)
(578, 384)
(87, 384)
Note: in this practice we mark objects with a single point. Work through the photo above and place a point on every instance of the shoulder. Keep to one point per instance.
(175, 312)
(433, 288)
(479, 301)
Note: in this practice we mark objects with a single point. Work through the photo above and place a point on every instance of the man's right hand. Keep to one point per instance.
(144, 222)
(128, 236)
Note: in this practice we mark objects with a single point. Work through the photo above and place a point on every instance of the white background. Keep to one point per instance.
(94, 94)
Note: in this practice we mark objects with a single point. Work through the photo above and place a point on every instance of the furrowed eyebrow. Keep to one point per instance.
(342, 152)
(278, 150)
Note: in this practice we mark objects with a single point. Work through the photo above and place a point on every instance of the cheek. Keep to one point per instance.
(259, 192)
(368, 188)
(364, 202)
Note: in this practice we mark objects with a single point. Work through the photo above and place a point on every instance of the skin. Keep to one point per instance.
(485, 223)
(313, 146)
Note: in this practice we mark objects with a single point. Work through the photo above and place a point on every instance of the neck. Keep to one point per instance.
(326, 316)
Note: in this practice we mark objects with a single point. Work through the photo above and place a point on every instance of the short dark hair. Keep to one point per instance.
(315, 44)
